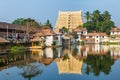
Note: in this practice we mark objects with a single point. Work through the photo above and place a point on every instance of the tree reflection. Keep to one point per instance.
(99, 63)
(32, 70)
(75, 51)
(65, 57)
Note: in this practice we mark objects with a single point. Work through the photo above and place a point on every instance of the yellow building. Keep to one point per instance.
(69, 19)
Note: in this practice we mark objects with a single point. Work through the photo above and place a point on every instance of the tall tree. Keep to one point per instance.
(106, 16)
(87, 16)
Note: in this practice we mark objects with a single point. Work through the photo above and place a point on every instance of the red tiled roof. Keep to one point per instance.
(97, 34)
(115, 29)
(44, 32)
(79, 29)
(56, 31)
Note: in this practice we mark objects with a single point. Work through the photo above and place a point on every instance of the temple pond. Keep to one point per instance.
(75, 62)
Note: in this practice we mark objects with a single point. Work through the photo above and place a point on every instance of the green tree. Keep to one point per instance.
(19, 21)
(74, 34)
(64, 30)
(87, 16)
(99, 22)
(27, 22)
(106, 16)
(99, 63)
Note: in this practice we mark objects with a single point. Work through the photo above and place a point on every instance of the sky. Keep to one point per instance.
(42, 10)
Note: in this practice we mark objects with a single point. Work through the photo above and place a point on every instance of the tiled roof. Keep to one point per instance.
(47, 32)
(5, 25)
(11, 26)
(97, 34)
(115, 29)
(36, 39)
(79, 29)
(56, 31)
(44, 32)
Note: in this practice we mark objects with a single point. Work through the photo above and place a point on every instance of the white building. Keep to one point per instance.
(57, 38)
(115, 35)
(96, 37)
(115, 31)
(81, 32)
(48, 36)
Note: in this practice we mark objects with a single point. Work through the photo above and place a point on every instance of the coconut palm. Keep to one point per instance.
(87, 16)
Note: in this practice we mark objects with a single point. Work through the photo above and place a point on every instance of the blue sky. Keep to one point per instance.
(41, 10)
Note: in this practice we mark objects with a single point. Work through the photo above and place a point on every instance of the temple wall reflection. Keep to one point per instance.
(71, 65)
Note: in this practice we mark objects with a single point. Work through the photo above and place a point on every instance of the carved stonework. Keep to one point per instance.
(69, 19)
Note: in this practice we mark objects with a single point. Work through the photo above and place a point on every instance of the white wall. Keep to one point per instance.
(114, 33)
(49, 40)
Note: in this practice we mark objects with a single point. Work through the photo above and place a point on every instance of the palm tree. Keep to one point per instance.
(96, 18)
(87, 16)
(96, 15)
(106, 16)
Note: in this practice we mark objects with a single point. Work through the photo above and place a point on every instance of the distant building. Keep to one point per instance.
(50, 37)
(96, 37)
(115, 31)
(11, 30)
(69, 19)
(81, 32)
(115, 35)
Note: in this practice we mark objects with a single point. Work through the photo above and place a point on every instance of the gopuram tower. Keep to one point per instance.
(69, 19)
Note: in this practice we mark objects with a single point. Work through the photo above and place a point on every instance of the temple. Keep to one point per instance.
(69, 19)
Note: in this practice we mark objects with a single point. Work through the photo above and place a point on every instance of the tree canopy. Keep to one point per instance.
(32, 23)
(27, 22)
(99, 22)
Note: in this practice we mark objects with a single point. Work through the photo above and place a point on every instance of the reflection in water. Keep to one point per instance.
(71, 60)
(70, 65)
(115, 51)
(99, 63)
(37, 54)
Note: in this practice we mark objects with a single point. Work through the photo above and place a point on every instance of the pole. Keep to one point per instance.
(7, 32)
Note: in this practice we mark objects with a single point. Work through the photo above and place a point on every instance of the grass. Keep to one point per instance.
(109, 43)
